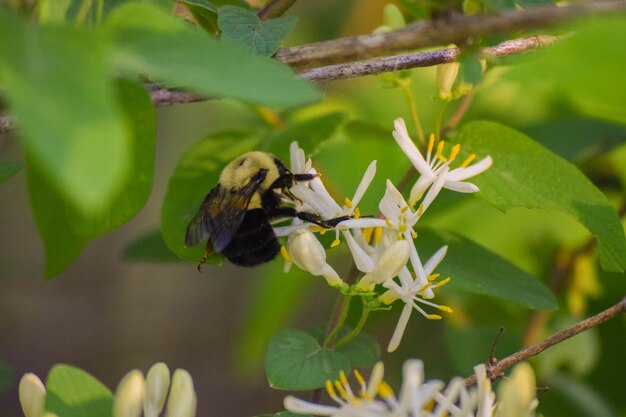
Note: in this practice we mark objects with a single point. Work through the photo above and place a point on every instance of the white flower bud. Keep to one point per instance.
(182, 400)
(446, 76)
(309, 254)
(129, 395)
(32, 395)
(389, 265)
(517, 394)
(157, 384)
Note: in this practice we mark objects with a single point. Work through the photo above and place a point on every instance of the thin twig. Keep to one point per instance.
(275, 8)
(421, 34)
(496, 370)
(420, 59)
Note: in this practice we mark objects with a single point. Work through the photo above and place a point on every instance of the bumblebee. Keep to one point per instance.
(236, 215)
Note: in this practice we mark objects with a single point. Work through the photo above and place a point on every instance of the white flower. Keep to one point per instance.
(435, 170)
(32, 394)
(308, 254)
(518, 393)
(364, 403)
(129, 395)
(411, 292)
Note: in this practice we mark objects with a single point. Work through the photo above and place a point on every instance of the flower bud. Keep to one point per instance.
(309, 254)
(446, 76)
(157, 384)
(129, 395)
(393, 17)
(182, 400)
(517, 394)
(389, 265)
(32, 395)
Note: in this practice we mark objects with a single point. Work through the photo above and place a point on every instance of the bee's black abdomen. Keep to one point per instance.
(255, 241)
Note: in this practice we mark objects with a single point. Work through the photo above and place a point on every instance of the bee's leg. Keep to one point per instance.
(208, 250)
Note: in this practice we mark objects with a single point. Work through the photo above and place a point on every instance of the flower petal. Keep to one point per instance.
(403, 140)
(435, 260)
(296, 405)
(368, 176)
(296, 157)
(460, 174)
(461, 187)
(396, 338)
(362, 260)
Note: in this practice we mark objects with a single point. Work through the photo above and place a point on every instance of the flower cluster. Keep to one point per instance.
(383, 247)
(420, 398)
(134, 394)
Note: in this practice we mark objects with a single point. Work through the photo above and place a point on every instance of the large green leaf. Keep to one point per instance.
(72, 392)
(525, 174)
(70, 122)
(64, 230)
(151, 42)
(244, 27)
(587, 66)
(8, 169)
(362, 351)
(196, 174)
(476, 270)
(296, 361)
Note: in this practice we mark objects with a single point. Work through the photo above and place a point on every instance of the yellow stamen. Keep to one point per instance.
(400, 236)
(404, 209)
(285, 253)
(402, 228)
(368, 232)
(414, 234)
(433, 317)
(335, 243)
(440, 150)
(433, 277)
(425, 286)
(330, 389)
(442, 283)
(385, 391)
(455, 150)
(359, 378)
(357, 213)
(446, 309)
(420, 210)
(431, 142)
(388, 223)
(341, 390)
(378, 235)
(314, 228)
(429, 406)
(468, 160)
(348, 202)
(323, 231)
(343, 378)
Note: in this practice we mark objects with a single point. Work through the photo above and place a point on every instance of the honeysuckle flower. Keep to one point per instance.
(411, 292)
(518, 393)
(129, 395)
(417, 397)
(437, 166)
(308, 254)
(32, 394)
(157, 386)
(388, 266)
(182, 401)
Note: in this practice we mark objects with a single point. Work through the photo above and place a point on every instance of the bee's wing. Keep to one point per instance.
(221, 214)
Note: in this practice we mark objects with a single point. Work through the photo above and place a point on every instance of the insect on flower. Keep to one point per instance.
(236, 215)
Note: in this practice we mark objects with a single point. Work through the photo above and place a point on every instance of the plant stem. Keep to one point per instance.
(355, 332)
(85, 6)
(405, 85)
(439, 120)
(338, 319)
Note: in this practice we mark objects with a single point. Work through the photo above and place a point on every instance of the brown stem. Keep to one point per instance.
(421, 34)
(275, 8)
(458, 114)
(497, 369)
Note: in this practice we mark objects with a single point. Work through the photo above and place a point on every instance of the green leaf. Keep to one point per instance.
(72, 392)
(149, 247)
(9, 169)
(580, 397)
(245, 28)
(296, 361)
(6, 377)
(264, 316)
(572, 67)
(311, 133)
(196, 174)
(363, 351)
(525, 174)
(69, 120)
(52, 11)
(476, 270)
(204, 13)
(64, 230)
(150, 41)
